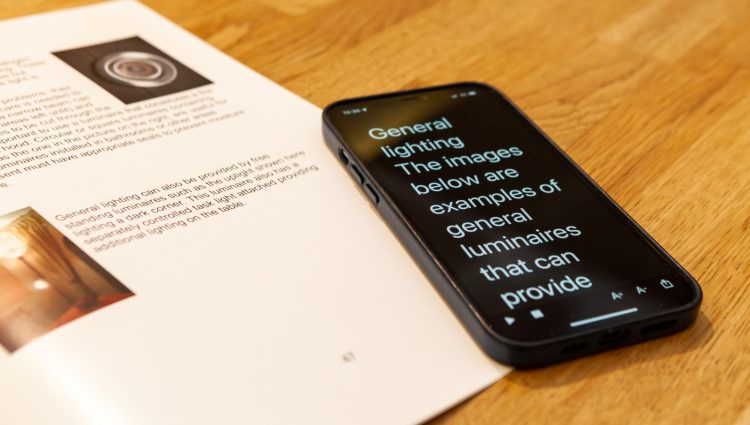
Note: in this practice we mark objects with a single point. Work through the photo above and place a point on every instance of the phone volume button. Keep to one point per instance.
(371, 193)
(354, 171)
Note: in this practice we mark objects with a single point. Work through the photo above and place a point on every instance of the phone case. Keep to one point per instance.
(516, 353)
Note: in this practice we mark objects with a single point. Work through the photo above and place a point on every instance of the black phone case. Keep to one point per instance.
(516, 353)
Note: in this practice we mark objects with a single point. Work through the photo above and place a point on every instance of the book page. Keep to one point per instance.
(177, 246)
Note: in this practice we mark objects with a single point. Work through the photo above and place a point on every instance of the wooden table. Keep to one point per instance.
(652, 97)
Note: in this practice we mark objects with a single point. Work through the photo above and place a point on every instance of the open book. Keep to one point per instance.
(177, 246)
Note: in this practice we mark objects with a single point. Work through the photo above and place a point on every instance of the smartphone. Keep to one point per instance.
(535, 259)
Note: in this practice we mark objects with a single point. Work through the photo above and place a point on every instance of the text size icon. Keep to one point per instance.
(536, 314)
(640, 289)
(616, 295)
(666, 284)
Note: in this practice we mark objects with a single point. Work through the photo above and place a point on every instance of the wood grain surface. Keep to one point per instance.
(651, 97)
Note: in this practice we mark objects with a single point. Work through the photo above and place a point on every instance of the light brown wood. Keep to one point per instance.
(652, 97)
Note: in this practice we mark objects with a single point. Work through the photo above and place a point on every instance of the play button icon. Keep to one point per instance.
(509, 320)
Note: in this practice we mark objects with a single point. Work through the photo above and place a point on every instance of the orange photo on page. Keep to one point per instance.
(46, 281)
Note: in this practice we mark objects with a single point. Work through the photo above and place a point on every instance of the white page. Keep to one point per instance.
(297, 307)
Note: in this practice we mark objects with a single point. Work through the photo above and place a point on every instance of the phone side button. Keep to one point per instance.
(354, 171)
(370, 191)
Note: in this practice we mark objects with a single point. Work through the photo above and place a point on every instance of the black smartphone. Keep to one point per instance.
(536, 260)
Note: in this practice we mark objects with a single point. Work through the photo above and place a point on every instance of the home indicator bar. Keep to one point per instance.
(603, 317)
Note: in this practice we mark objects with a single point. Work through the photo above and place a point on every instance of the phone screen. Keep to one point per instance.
(529, 241)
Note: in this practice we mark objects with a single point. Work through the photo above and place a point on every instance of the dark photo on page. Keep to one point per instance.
(131, 69)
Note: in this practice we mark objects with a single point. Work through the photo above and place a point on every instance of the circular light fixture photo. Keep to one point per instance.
(136, 69)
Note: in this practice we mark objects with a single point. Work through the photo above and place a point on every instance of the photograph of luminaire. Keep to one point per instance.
(137, 69)
(132, 69)
(45, 280)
